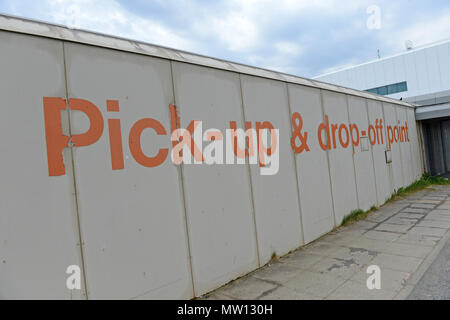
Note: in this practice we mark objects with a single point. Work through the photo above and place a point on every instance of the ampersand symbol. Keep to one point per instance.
(297, 123)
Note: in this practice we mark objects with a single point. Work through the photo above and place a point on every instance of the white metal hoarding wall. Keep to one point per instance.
(38, 220)
(275, 193)
(95, 186)
(313, 167)
(382, 178)
(218, 208)
(132, 223)
(363, 161)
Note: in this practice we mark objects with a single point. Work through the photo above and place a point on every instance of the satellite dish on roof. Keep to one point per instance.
(408, 45)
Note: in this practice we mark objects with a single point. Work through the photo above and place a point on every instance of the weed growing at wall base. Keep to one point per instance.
(421, 184)
(357, 215)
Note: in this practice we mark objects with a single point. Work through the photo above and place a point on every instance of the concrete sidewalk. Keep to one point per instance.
(435, 284)
(403, 238)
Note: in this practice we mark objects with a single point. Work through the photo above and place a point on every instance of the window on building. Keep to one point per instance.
(383, 91)
(390, 89)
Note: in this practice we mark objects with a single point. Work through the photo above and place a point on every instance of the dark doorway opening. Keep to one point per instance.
(437, 146)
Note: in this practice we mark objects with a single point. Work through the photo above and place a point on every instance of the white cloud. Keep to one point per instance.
(424, 32)
(288, 48)
(108, 16)
(267, 33)
(237, 32)
(282, 59)
(244, 24)
(269, 8)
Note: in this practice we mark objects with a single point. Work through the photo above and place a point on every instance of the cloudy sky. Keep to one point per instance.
(303, 37)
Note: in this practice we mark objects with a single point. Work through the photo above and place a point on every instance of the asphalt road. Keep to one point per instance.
(435, 283)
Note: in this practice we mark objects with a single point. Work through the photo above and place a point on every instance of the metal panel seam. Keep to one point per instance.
(252, 201)
(353, 157)
(390, 165)
(336, 224)
(183, 197)
(400, 148)
(371, 154)
(74, 179)
(295, 165)
(412, 173)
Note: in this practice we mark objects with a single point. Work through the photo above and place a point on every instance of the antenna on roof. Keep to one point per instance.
(378, 53)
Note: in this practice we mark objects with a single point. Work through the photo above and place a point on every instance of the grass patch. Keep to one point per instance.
(357, 215)
(274, 258)
(425, 182)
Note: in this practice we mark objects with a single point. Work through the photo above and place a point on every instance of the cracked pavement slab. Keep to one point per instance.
(407, 239)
